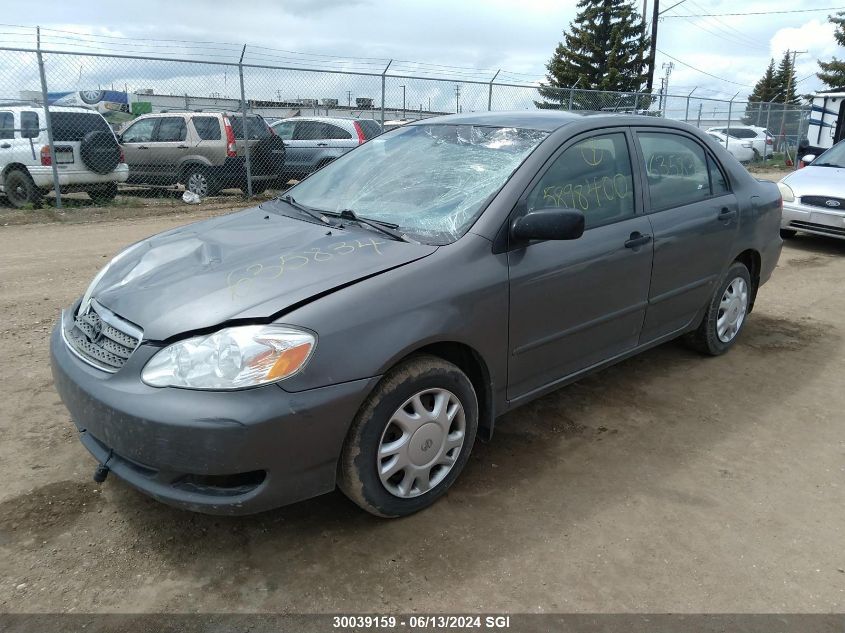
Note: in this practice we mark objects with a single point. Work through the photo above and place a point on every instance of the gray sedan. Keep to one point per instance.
(364, 329)
(814, 196)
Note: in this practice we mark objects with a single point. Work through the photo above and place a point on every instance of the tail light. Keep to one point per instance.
(46, 158)
(272, 131)
(360, 132)
(231, 147)
(801, 164)
(122, 155)
(768, 140)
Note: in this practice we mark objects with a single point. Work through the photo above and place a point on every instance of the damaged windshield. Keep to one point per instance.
(430, 181)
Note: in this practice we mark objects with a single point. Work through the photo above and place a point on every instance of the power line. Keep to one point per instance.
(703, 72)
(721, 15)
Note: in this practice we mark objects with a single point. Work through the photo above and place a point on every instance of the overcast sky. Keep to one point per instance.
(515, 35)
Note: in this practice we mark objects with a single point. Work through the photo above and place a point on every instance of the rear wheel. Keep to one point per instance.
(787, 234)
(411, 438)
(104, 193)
(258, 187)
(199, 181)
(20, 189)
(726, 313)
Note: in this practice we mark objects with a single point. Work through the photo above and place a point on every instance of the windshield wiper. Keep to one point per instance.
(825, 165)
(385, 228)
(306, 210)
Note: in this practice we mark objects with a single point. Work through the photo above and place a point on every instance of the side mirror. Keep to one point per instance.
(808, 158)
(549, 224)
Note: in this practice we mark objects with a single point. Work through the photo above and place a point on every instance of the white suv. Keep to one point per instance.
(759, 137)
(88, 156)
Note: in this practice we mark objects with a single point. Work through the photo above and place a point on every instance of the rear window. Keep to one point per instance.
(207, 127)
(72, 126)
(370, 128)
(257, 127)
(743, 133)
(29, 125)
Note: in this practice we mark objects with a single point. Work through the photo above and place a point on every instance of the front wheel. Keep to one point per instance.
(411, 438)
(726, 313)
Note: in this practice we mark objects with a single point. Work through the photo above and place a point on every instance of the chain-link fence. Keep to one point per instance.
(148, 123)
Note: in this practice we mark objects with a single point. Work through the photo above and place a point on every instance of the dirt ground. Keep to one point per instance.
(668, 483)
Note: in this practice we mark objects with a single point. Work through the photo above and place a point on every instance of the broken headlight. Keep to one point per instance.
(231, 358)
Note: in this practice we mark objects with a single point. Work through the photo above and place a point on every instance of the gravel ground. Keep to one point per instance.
(668, 483)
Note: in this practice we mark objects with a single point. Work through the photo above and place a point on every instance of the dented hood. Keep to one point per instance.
(249, 265)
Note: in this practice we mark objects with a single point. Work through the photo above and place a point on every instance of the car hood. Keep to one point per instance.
(249, 265)
(817, 181)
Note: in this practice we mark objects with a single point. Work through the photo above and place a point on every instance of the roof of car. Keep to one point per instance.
(545, 120)
(327, 119)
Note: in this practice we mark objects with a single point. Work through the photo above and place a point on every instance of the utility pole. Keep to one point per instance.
(403, 101)
(655, 15)
(457, 98)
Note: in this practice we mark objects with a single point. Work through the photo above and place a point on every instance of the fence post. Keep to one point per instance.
(686, 114)
(245, 129)
(490, 91)
(768, 116)
(728, 129)
(636, 102)
(700, 105)
(383, 75)
(47, 120)
(572, 92)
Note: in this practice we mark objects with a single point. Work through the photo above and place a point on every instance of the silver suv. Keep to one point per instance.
(312, 142)
(88, 157)
(204, 151)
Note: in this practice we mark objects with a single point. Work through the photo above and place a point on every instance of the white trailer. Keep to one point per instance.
(827, 120)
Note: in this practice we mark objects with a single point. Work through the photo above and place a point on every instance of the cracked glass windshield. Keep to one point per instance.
(431, 181)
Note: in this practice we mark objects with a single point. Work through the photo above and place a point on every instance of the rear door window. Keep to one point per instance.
(170, 129)
(29, 125)
(336, 133)
(284, 130)
(207, 127)
(676, 168)
(718, 182)
(7, 125)
(309, 131)
(73, 126)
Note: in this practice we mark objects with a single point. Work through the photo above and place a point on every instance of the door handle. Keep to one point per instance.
(726, 214)
(143, 147)
(637, 239)
(181, 147)
(322, 144)
(5, 145)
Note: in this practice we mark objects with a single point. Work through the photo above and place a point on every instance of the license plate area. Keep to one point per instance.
(827, 219)
(64, 155)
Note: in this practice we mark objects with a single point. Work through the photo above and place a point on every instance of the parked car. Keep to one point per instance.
(313, 142)
(361, 330)
(204, 151)
(760, 138)
(88, 157)
(814, 196)
(739, 149)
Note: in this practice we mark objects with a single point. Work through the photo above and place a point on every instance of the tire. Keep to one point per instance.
(200, 181)
(714, 337)
(788, 234)
(20, 189)
(422, 384)
(257, 187)
(105, 193)
(99, 151)
(756, 158)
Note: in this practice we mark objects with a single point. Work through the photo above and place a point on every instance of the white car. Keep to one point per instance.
(739, 149)
(88, 156)
(814, 196)
(759, 137)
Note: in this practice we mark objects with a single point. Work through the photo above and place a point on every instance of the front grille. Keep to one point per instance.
(818, 228)
(101, 338)
(822, 201)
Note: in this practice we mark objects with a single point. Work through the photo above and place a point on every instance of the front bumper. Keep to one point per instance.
(236, 452)
(812, 219)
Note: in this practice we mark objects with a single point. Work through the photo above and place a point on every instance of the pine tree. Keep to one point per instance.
(605, 49)
(765, 90)
(833, 72)
(785, 80)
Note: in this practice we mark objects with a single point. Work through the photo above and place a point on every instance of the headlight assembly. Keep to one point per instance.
(231, 358)
(786, 193)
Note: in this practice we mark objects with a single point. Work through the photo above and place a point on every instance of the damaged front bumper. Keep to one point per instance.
(218, 452)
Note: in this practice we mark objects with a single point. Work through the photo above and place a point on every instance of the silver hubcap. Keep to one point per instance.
(421, 443)
(198, 183)
(732, 309)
